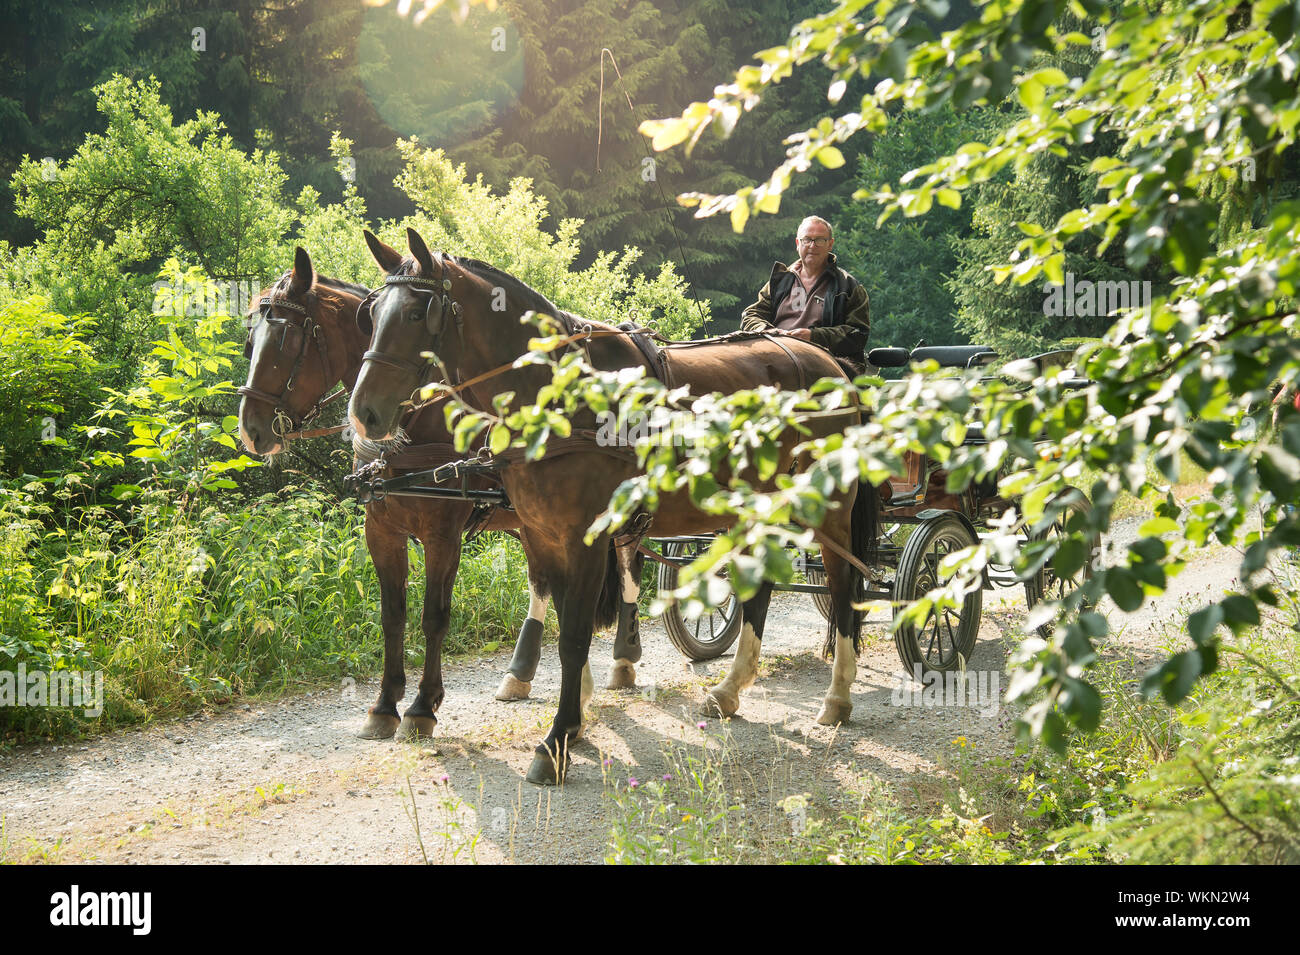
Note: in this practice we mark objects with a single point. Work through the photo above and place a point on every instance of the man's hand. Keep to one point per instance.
(803, 334)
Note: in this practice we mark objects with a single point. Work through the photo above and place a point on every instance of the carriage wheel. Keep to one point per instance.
(1046, 584)
(945, 639)
(709, 635)
(821, 601)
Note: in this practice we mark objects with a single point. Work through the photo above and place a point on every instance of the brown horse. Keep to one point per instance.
(304, 342)
(452, 308)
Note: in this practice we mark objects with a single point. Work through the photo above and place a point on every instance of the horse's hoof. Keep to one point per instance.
(834, 711)
(721, 702)
(546, 769)
(379, 726)
(512, 688)
(622, 676)
(416, 727)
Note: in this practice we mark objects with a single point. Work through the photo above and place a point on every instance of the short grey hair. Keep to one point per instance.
(829, 230)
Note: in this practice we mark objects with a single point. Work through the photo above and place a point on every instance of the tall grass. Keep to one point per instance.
(1212, 780)
(183, 609)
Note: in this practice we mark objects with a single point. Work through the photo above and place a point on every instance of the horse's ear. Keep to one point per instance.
(387, 257)
(304, 275)
(420, 251)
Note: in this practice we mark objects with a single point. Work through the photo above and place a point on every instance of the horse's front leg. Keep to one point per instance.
(388, 553)
(627, 641)
(575, 603)
(441, 561)
(841, 576)
(724, 699)
(518, 680)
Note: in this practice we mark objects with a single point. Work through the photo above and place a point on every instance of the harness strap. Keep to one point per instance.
(403, 364)
(776, 340)
(825, 541)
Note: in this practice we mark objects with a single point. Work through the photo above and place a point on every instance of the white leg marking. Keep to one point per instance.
(631, 586)
(725, 697)
(588, 686)
(838, 704)
(536, 605)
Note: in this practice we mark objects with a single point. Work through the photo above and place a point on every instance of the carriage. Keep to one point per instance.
(923, 523)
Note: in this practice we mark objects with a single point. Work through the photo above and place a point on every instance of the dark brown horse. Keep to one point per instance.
(452, 308)
(305, 341)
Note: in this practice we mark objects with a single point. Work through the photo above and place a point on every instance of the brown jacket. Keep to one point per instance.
(846, 317)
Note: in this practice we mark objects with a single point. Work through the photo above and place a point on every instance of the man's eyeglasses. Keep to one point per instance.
(819, 241)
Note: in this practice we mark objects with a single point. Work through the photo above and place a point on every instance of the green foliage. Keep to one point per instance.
(467, 218)
(490, 599)
(905, 264)
(130, 198)
(168, 415)
(194, 608)
(48, 384)
(1222, 791)
(147, 188)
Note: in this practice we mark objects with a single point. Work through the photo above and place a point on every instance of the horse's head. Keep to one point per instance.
(408, 318)
(302, 340)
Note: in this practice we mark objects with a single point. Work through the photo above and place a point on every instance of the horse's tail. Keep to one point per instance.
(864, 541)
(611, 592)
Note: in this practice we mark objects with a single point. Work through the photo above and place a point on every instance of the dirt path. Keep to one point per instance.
(289, 782)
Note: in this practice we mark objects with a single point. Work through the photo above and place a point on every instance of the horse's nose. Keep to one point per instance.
(254, 435)
(365, 421)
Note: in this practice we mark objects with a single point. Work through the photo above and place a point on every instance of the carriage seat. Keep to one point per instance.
(948, 356)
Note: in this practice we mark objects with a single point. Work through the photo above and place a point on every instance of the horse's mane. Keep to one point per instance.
(528, 296)
(339, 285)
(524, 293)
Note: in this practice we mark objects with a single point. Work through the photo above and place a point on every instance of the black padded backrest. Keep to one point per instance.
(888, 357)
(955, 356)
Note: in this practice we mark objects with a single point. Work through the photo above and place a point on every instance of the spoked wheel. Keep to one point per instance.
(945, 639)
(1047, 584)
(709, 635)
(821, 601)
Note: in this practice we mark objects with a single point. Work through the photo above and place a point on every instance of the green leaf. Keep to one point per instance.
(1239, 609)
(1070, 557)
(1174, 678)
(499, 439)
(830, 157)
(1123, 587)
(1031, 93)
(1201, 624)
(739, 214)
(1157, 526)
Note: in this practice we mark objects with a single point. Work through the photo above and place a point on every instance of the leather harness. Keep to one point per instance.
(283, 424)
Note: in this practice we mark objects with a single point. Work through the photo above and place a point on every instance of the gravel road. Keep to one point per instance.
(288, 781)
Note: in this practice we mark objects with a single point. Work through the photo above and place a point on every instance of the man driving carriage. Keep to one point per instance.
(813, 299)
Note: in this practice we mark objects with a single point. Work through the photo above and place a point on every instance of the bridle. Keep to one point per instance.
(283, 425)
(439, 291)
